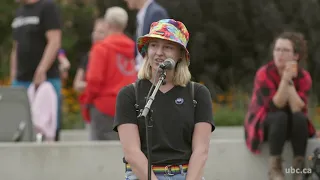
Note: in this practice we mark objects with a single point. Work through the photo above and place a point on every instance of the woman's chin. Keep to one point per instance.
(280, 65)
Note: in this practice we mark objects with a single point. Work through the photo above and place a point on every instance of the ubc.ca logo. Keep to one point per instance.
(292, 170)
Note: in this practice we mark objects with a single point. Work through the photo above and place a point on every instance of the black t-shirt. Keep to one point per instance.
(174, 117)
(31, 23)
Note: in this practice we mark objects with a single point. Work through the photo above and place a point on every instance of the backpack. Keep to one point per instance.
(190, 86)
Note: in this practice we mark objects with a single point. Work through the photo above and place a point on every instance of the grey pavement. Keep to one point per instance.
(76, 158)
(228, 159)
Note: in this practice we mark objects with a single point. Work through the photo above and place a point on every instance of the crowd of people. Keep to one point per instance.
(117, 73)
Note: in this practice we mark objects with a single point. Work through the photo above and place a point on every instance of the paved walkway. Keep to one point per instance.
(228, 158)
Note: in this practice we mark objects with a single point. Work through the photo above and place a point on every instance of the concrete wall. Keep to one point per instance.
(235, 132)
(228, 159)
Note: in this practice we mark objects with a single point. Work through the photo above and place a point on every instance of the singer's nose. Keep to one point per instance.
(159, 51)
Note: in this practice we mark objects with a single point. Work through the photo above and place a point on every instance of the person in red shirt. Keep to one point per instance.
(111, 67)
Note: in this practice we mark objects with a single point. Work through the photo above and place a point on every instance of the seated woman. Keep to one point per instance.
(278, 108)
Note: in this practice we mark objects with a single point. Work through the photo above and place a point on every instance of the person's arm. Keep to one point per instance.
(200, 150)
(280, 99)
(13, 61)
(125, 123)
(13, 55)
(52, 25)
(201, 135)
(79, 84)
(295, 102)
(130, 140)
(298, 98)
(63, 60)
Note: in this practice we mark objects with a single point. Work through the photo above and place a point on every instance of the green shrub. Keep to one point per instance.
(226, 116)
(72, 121)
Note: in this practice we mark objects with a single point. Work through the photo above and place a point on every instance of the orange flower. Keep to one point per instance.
(220, 98)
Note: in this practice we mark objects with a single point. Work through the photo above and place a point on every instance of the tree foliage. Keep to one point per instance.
(229, 41)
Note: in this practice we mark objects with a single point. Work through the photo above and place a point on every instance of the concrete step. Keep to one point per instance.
(220, 132)
(228, 159)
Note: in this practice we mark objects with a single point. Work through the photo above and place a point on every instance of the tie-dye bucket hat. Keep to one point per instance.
(167, 29)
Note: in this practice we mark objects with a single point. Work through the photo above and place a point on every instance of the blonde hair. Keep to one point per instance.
(116, 16)
(181, 75)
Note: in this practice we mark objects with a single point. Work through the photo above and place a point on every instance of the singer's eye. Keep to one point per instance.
(168, 47)
(153, 44)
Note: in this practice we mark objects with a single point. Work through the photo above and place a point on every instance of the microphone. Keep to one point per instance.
(168, 64)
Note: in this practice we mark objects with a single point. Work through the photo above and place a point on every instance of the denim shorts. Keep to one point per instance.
(130, 176)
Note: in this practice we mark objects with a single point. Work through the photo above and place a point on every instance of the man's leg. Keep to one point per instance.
(87, 128)
(101, 126)
(56, 83)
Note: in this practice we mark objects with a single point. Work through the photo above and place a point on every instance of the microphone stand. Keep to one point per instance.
(146, 115)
